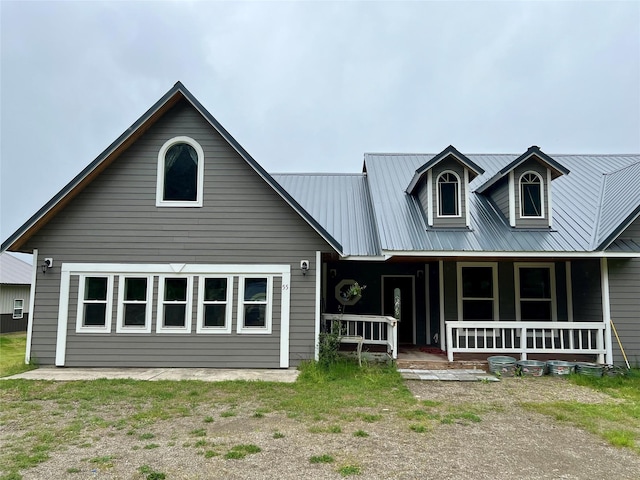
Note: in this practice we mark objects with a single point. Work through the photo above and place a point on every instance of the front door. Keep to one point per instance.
(398, 302)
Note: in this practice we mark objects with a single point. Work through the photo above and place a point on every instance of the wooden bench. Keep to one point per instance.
(358, 340)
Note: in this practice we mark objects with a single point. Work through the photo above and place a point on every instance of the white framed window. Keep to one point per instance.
(18, 308)
(478, 291)
(134, 304)
(535, 287)
(215, 296)
(531, 195)
(448, 194)
(175, 294)
(95, 294)
(255, 304)
(180, 177)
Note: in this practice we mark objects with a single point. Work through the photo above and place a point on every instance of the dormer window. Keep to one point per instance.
(531, 204)
(448, 194)
(180, 173)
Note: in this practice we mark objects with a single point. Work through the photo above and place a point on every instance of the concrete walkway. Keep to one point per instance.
(452, 375)
(203, 374)
(221, 374)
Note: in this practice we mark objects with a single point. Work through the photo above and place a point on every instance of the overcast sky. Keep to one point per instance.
(311, 86)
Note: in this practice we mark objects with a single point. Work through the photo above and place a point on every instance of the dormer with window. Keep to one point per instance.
(180, 173)
(442, 188)
(522, 189)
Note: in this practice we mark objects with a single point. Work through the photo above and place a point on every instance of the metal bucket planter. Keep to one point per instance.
(502, 365)
(532, 368)
(558, 367)
(589, 369)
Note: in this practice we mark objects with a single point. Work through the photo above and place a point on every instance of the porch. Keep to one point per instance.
(469, 344)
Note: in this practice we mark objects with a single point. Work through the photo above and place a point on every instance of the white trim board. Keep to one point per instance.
(68, 269)
(32, 303)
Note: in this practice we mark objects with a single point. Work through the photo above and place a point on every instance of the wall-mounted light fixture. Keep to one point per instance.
(420, 273)
(47, 264)
(333, 273)
(304, 266)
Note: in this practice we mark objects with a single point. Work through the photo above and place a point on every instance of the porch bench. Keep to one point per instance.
(358, 340)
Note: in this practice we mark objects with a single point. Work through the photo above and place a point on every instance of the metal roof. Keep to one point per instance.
(577, 200)
(341, 204)
(14, 271)
(620, 199)
(448, 152)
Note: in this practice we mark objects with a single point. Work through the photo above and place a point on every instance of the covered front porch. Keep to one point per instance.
(464, 310)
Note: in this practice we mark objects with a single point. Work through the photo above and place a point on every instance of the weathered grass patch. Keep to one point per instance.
(618, 422)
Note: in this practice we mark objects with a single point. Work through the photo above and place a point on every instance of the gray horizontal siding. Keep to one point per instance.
(624, 288)
(500, 196)
(9, 293)
(115, 220)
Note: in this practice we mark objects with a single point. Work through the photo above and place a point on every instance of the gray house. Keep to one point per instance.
(175, 248)
(15, 287)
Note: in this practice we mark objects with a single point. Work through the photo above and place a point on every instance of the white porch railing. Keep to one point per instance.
(374, 329)
(526, 337)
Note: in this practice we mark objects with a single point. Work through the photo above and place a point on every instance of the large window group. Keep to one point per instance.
(173, 307)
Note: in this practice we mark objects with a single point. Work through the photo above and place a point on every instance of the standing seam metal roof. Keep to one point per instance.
(577, 199)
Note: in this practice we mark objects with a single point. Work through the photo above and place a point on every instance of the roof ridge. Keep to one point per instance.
(596, 223)
(622, 168)
(324, 174)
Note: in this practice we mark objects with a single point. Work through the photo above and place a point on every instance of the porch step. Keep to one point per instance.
(442, 365)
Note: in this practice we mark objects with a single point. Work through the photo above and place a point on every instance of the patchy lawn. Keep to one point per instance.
(12, 350)
(334, 423)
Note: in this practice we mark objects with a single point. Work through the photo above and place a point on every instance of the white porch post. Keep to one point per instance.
(443, 332)
(606, 312)
(320, 268)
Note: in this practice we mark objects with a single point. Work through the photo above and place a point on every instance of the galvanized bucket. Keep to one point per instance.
(559, 367)
(532, 368)
(502, 365)
(589, 369)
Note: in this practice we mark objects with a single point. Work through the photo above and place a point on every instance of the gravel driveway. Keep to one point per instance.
(507, 443)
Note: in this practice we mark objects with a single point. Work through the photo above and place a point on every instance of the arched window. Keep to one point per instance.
(180, 173)
(531, 195)
(448, 194)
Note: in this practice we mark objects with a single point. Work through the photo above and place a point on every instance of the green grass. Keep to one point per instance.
(347, 470)
(12, 350)
(104, 406)
(321, 459)
(618, 421)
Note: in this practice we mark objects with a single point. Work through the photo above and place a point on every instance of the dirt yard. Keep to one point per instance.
(488, 437)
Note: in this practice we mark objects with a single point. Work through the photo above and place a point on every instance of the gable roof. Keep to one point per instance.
(124, 141)
(14, 271)
(450, 151)
(619, 204)
(556, 168)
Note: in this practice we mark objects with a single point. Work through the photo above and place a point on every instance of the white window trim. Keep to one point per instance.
(458, 195)
(21, 308)
(160, 202)
(241, 303)
(200, 327)
(542, 189)
(80, 328)
(120, 327)
(430, 197)
(552, 279)
(188, 305)
(496, 292)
